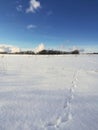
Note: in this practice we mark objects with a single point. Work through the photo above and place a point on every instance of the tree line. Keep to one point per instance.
(44, 52)
(47, 52)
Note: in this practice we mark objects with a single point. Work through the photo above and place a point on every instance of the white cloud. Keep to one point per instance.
(19, 8)
(34, 5)
(9, 48)
(15, 49)
(39, 48)
(31, 26)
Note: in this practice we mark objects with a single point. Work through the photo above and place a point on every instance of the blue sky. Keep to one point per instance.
(56, 23)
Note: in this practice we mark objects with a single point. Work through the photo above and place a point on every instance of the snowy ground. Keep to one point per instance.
(49, 92)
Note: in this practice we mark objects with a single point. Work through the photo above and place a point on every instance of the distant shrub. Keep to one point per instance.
(75, 52)
(50, 52)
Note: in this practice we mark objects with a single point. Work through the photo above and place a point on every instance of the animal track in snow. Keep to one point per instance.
(66, 114)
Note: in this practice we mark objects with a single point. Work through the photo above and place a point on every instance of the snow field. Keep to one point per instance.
(48, 92)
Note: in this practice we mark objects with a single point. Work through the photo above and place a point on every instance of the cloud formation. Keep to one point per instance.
(34, 5)
(19, 8)
(9, 49)
(31, 26)
(39, 48)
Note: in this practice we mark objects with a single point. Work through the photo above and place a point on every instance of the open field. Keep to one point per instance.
(49, 92)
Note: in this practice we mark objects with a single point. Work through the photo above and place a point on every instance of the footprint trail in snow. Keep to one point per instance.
(66, 114)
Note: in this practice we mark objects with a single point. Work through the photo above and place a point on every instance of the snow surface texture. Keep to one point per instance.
(49, 92)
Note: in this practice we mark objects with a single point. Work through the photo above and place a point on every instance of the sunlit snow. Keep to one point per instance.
(48, 92)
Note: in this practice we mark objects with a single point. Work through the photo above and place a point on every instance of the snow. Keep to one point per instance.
(49, 92)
